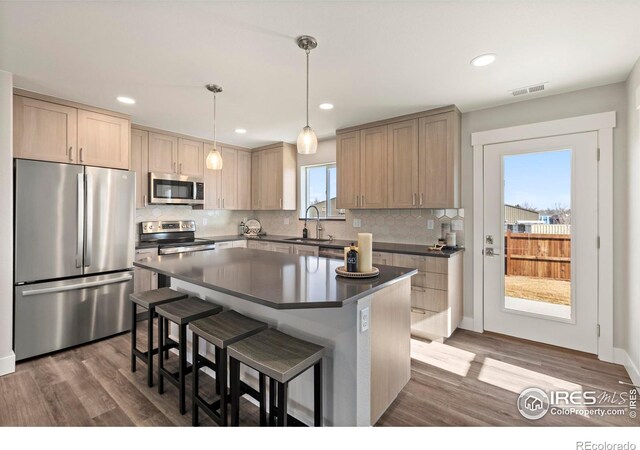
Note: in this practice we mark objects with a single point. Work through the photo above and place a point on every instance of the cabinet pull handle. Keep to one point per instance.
(218, 202)
(81, 155)
(419, 289)
(362, 202)
(418, 311)
(223, 203)
(356, 201)
(175, 167)
(180, 169)
(280, 203)
(420, 198)
(414, 199)
(144, 199)
(70, 154)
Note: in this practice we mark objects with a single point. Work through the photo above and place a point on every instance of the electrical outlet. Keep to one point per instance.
(456, 225)
(430, 224)
(364, 320)
(286, 221)
(357, 223)
(204, 221)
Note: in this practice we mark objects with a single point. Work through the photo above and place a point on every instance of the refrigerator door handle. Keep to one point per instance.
(80, 221)
(89, 228)
(73, 287)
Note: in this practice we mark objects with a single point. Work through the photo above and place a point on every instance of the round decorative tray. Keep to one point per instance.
(342, 271)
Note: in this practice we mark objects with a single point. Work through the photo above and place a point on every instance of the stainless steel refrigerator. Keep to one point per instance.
(74, 246)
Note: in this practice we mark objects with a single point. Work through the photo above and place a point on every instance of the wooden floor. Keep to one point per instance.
(473, 379)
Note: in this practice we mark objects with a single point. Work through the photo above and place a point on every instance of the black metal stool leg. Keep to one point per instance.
(263, 399)
(216, 358)
(282, 404)
(272, 402)
(194, 389)
(150, 347)
(317, 394)
(234, 366)
(166, 338)
(182, 345)
(222, 376)
(134, 328)
(161, 345)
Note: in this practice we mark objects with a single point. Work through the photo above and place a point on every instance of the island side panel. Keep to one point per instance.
(390, 325)
(334, 328)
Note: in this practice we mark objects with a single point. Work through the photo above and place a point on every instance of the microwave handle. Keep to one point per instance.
(195, 190)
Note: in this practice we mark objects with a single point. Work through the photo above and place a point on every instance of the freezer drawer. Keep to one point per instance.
(55, 315)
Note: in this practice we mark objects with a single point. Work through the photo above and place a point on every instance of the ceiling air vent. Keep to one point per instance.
(528, 89)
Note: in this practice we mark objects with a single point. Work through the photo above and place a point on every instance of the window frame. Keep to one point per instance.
(304, 190)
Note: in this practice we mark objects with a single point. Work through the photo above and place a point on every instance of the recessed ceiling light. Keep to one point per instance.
(126, 100)
(326, 106)
(483, 60)
(241, 130)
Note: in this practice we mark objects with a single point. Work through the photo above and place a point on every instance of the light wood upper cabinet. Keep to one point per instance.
(373, 167)
(229, 178)
(408, 162)
(275, 183)
(190, 158)
(348, 170)
(140, 165)
(44, 131)
(103, 140)
(439, 150)
(244, 181)
(255, 181)
(402, 184)
(163, 153)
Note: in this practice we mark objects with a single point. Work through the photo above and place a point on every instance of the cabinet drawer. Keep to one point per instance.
(146, 253)
(240, 244)
(221, 245)
(428, 324)
(386, 259)
(429, 299)
(422, 263)
(281, 248)
(430, 280)
(259, 245)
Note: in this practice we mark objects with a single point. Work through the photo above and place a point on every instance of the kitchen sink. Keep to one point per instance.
(310, 240)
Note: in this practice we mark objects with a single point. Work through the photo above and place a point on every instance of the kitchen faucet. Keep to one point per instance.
(318, 228)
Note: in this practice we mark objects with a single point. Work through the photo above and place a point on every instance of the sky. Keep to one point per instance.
(539, 179)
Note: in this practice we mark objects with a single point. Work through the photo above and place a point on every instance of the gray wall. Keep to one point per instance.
(588, 101)
(7, 358)
(632, 250)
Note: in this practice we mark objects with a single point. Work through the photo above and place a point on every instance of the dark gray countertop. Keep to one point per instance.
(276, 280)
(408, 249)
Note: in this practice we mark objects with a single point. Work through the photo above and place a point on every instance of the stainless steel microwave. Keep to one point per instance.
(171, 189)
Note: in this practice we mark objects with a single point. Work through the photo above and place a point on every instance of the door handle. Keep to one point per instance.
(74, 287)
(489, 251)
(89, 223)
(80, 221)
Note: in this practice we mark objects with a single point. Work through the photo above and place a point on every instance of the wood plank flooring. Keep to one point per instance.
(474, 380)
(471, 380)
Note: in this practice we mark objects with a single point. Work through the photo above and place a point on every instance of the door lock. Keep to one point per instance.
(489, 239)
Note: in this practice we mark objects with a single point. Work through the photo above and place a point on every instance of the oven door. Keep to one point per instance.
(167, 189)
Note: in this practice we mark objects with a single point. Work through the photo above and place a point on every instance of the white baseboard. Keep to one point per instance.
(467, 324)
(8, 364)
(620, 356)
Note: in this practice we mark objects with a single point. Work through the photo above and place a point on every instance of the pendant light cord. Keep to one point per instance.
(307, 51)
(214, 122)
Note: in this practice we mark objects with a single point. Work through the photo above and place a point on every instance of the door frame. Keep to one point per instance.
(603, 124)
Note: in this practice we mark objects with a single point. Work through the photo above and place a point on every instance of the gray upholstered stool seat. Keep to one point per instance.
(148, 300)
(281, 358)
(181, 312)
(221, 330)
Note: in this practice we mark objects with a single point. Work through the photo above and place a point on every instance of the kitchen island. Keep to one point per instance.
(365, 324)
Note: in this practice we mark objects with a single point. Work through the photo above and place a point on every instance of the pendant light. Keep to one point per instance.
(307, 140)
(214, 158)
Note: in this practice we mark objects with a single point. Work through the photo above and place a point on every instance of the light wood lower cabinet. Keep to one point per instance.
(259, 245)
(241, 243)
(281, 248)
(436, 294)
(306, 250)
(383, 258)
(143, 279)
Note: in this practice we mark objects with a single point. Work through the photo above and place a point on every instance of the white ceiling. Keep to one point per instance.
(374, 59)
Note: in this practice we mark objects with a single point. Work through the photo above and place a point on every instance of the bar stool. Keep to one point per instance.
(282, 358)
(221, 330)
(181, 312)
(148, 300)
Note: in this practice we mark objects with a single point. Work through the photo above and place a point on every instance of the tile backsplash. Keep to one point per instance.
(392, 225)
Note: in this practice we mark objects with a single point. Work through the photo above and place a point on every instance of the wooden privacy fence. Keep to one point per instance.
(538, 255)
